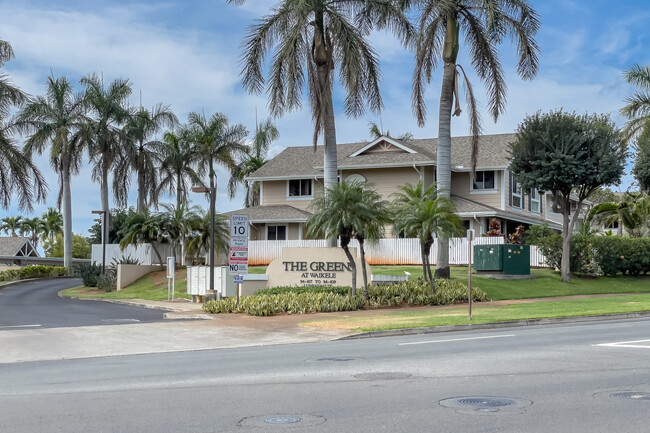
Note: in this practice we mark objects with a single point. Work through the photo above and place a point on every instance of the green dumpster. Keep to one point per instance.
(488, 258)
(516, 259)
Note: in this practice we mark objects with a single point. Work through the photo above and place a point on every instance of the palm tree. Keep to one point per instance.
(31, 228)
(348, 209)
(180, 156)
(143, 228)
(253, 160)
(637, 108)
(108, 105)
(631, 211)
(373, 219)
(57, 120)
(377, 131)
(18, 174)
(198, 241)
(179, 223)
(142, 155)
(11, 225)
(424, 213)
(310, 38)
(485, 24)
(51, 224)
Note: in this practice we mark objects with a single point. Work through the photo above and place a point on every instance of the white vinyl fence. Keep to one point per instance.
(144, 253)
(386, 251)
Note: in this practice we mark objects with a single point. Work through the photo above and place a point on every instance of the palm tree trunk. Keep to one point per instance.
(140, 174)
(345, 241)
(363, 268)
(443, 159)
(104, 197)
(425, 256)
(329, 134)
(67, 216)
(179, 189)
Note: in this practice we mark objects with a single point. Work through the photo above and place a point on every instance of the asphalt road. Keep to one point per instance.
(36, 305)
(592, 377)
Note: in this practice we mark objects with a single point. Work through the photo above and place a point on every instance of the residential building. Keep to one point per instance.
(290, 181)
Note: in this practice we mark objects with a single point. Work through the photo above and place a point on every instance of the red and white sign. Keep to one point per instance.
(238, 254)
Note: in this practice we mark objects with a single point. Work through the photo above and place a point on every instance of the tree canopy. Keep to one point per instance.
(569, 155)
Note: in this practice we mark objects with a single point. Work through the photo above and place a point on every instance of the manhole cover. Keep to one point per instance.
(486, 405)
(632, 395)
(290, 420)
(486, 402)
(382, 376)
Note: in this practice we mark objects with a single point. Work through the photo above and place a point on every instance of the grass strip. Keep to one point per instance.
(488, 313)
(152, 287)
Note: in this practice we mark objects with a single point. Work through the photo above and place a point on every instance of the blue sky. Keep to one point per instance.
(185, 54)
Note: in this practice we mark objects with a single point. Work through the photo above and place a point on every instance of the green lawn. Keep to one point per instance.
(547, 283)
(489, 313)
(150, 287)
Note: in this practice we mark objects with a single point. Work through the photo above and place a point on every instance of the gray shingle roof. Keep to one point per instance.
(280, 213)
(11, 245)
(301, 162)
(465, 205)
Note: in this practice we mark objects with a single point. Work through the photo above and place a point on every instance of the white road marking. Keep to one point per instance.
(119, 320)
(457, 339)
(632, 344)
(19, 326)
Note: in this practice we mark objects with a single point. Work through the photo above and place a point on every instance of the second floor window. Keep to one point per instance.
(483, 180)
(516, 195)
(300, 188)
(534, 201)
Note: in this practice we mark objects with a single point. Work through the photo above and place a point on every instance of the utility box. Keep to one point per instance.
(516, 259)
(488, 258)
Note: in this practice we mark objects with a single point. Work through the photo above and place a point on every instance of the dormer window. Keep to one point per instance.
(483, 180)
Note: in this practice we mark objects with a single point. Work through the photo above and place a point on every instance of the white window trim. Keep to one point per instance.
(494, 190)
(301, 197)
(533, 201)
(286, 231)
(520, 195)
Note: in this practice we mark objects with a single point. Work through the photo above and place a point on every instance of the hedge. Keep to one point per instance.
(33, 271)
(300, 300)
(626, 255)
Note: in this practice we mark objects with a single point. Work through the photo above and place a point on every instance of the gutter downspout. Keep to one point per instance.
(478, 223)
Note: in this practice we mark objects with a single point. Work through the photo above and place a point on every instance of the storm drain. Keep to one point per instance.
(281, 421)
(486, 405)
(382, 376)
(632, 395)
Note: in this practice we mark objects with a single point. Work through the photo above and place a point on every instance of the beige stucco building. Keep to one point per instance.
(290, 181)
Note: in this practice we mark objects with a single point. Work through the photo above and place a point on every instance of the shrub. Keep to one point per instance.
(298, 289)
(616, 254)
(88, 272)
(33, 271)
(125, 260)
(287, 303)
(108, 281)
(550, 244)
(418, 292)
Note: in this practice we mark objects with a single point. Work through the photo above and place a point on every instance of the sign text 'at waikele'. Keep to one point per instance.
(313, 267)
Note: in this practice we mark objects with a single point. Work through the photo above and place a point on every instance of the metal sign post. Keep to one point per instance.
(171, 280)
(470, 237)
(238, 254)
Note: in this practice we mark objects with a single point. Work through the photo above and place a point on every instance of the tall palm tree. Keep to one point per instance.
(254, 159)
(31, 228)
(142, 154)
(110, 113)
(57, 120)
(484, 24)
(310, 38)
(18, 174)
(424, 213)
(637, 108)
(51, 224)
(11, 225)
(180, 157)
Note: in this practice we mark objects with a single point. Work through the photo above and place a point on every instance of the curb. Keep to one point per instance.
(170, 310)
(191, 316)
(494, 325)
(16, 282)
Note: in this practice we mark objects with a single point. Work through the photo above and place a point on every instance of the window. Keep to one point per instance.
(300, 188)
(276, 233)
(484, 180)
(515, 195)
(534, 201)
